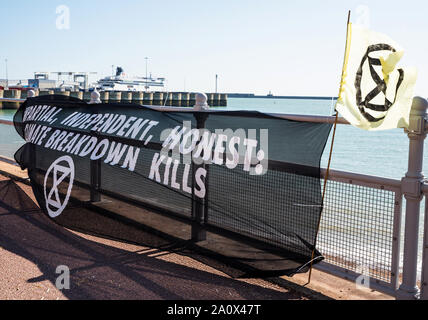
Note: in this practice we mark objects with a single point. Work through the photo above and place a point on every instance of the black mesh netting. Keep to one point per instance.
(238, 190)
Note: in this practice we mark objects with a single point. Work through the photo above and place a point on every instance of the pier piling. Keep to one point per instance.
(12, 94)
(177, 99)
(24, 94)
(87, 96)
(148, 98)
(192, 99)
(158, 98)
(77, 94)
(137, 97)
(185, 98)
(210, 97)
(45, 92)
(216, 101)
(104, 96)
(115, 96)
(168, 99)
(126, 96)
(223, 100)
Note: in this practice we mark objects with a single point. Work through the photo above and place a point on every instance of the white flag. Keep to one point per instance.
(375, 93)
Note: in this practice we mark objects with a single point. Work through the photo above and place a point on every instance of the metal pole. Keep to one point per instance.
(424, 279)
(216, 79)
(7, 75)
(411, 186)
(199, 207)
(95, 167)
(146, 73)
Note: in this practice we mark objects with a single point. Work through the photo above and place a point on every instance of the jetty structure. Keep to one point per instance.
(272, 96)
(157, 98)
(79, 81)
(117, 88)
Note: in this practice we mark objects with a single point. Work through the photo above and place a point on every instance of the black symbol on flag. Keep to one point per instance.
(381, 86)
(61, 171)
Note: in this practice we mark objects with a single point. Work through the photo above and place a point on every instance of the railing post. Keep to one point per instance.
(31, 94)
(201, 102)
(424, 278)
(95, 165)
(199, 209)
(411, 186)
(95, 180)
(95, 97)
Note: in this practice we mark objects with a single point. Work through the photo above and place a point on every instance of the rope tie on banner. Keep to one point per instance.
(342, 83)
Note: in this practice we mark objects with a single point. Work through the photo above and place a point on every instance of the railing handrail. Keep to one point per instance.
(7, 122)
(337, 174)
(293, 117)
(387, 183)
(11, 100)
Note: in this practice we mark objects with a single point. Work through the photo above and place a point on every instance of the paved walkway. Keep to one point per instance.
(32, 247)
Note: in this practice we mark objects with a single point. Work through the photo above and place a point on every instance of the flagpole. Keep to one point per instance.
(345, 62)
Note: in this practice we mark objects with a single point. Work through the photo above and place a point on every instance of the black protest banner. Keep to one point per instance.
(244, 186)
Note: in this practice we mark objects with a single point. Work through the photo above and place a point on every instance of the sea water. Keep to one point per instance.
(380, 153)
(10, 141)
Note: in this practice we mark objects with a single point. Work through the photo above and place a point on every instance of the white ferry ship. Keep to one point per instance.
(120, 82)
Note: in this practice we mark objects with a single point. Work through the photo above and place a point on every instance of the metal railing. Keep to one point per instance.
(294, 117)
(424, 276)
(360, 229)
(360, 232)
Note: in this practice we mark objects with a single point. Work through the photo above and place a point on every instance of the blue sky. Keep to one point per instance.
(288, 47)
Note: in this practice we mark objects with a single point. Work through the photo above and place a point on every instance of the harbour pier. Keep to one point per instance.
(176, 99)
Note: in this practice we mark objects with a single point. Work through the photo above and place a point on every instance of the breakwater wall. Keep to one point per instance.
(176, 99)
(253, 96)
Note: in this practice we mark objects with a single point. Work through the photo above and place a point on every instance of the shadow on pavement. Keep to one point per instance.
(100, 271)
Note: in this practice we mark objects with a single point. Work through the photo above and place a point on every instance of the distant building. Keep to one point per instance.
(42, 83)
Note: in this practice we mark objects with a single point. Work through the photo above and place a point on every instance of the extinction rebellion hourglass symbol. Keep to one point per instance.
(381, 85)
(61, 173)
